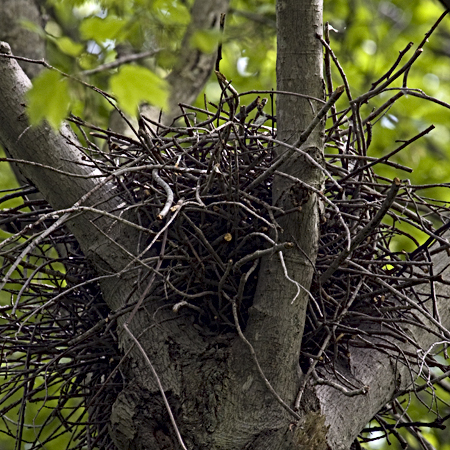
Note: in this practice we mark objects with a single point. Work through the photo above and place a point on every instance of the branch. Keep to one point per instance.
(384, 377)
(119, 61)
(364, 233)
(57, 167)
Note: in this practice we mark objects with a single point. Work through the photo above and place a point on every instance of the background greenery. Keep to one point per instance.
(366, 36)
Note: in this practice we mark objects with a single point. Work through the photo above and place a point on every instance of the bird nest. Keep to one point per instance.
(205, 224)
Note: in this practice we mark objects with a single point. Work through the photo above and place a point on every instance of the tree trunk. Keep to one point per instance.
(23, 42)
(279, 307)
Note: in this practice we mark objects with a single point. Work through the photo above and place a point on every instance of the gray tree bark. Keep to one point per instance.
(23, 42)
(217, 394)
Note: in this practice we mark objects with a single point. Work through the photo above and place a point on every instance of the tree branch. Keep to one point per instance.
(74, 182)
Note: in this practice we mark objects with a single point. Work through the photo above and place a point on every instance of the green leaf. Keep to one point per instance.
(48, 99)
(205, 40)
(69, 47)
(87, 61)
(102, 29)
(33, 27)
(170, 12)
(134, 84)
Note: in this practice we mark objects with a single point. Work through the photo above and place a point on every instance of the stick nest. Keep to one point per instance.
(205, 223)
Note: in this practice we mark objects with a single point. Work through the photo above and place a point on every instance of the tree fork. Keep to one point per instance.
(276, 321)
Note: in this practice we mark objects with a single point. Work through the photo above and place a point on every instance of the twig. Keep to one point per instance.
(353, 393)
(160, 386)
(122, 60)
(33, 244)
(260, 253)
(364, 233)
(168, 191)
(255, 358)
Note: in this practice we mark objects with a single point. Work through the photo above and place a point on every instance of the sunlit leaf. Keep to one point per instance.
(87, 61)
(48, 99)
(205, 40)
(100, 29)
(69, 47)
(133, 85)
(171, 12)
(32, 26)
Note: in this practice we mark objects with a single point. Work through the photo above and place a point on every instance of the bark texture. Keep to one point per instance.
(23, 42)
(278, 314)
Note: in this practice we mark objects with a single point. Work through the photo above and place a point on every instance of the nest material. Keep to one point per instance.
(208, 224)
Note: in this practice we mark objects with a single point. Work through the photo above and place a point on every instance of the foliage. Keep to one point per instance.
(83, 36)
(53, 87)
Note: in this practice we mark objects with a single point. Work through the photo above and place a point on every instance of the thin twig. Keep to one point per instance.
(160, 386)
(364, 233)
(255, 359)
